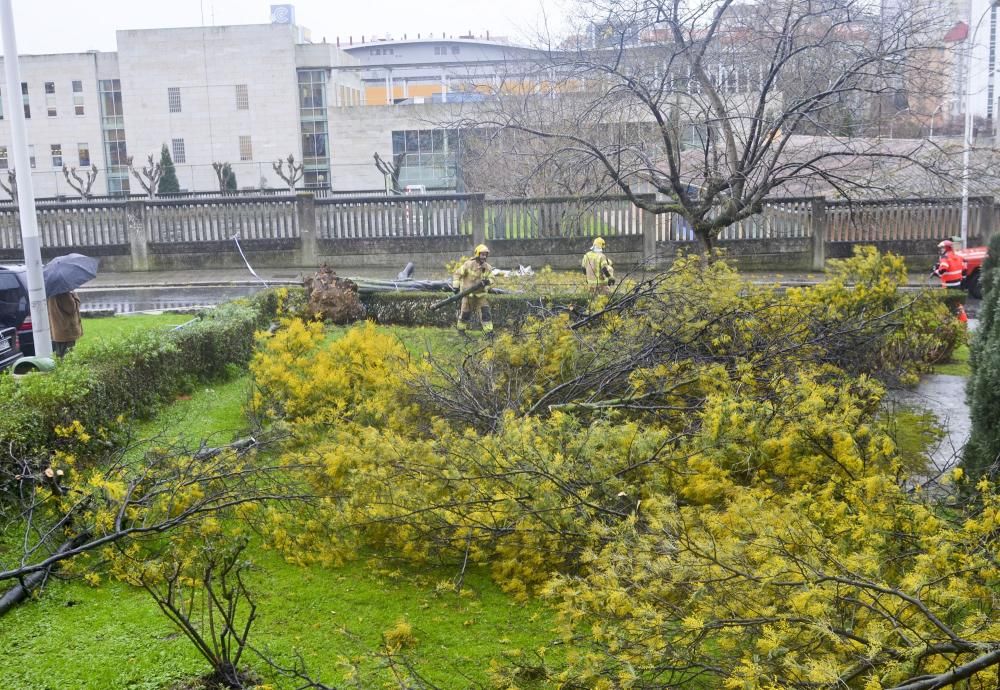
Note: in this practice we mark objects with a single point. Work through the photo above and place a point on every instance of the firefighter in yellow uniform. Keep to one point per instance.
(600, 272)
(474, 271)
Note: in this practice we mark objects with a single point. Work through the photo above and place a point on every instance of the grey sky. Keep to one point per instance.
(62, 26)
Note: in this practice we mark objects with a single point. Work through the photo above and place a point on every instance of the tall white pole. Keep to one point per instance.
(30, 239)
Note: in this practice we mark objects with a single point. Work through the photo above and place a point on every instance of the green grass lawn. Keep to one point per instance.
(96, 330)
(76, 636)
(959, 364)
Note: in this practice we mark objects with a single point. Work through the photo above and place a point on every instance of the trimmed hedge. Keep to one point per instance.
(128, 377)
(414, 308)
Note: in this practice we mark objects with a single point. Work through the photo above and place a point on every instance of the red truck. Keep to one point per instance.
(961, 268)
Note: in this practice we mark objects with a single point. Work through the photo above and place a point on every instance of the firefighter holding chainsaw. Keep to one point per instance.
(600, 272)
(469, 274)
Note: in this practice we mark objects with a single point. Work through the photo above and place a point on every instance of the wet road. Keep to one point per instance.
(129, 300)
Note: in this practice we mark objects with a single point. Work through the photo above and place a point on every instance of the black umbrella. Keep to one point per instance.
(67, 273)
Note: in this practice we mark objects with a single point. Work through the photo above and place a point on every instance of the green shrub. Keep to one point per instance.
(414, 308)
(128, 377)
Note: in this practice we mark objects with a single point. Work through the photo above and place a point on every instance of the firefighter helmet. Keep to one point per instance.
(599, 243)
(945, 245)
(482, 249)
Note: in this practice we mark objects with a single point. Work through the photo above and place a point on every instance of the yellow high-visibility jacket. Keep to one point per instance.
(470, 273)
(598, 267)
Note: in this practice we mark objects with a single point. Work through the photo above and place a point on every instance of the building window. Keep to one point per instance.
(438, 50)
(3, 157)
(24, 99)
(50, 98)
(115, 142)
(374, 51)
(312, 93)
(83, 155)
(78, 97)
(242, 97)
(31, 155)
(56, 155)
(246, 149)
(426, 156)
(1, 106)
(314, 139)
(174, 99)
(455, 50)
(177, 149)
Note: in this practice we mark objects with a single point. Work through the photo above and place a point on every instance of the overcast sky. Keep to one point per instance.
(66, 26)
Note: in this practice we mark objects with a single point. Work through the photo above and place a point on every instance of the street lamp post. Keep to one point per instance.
(936, 111)
(30, 239)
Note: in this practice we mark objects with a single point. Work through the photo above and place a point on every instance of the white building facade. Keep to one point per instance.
(243, 95)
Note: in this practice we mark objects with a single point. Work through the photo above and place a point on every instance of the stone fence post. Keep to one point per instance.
(305, 211)
(137, 224)
(647, 221)
(818, 218)
(987, 218)
(477, 215)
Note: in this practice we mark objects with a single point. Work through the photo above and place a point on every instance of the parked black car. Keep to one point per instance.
(15, 309)
(9, 351)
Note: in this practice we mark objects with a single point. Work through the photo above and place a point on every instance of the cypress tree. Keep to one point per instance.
(168, 179)
(229, 178)
(982, 452)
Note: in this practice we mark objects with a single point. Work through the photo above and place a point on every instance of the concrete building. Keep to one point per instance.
(243, 95)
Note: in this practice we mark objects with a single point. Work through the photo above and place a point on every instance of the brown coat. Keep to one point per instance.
(64, 318)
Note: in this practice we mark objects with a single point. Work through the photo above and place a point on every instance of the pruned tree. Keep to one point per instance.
(10, 186)
(390, 171)
(149, 175)
(80, 185)
(294, 170)
(226, 177)
(168, 180)
(705, 109)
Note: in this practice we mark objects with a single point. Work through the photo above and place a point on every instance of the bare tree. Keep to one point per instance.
(11, 185)
(80, 185)
(390, 171)
(294, 173)
(149, 176)
(703, 109)
(226, 177)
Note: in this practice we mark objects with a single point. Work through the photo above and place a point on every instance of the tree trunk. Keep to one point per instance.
(19, 592)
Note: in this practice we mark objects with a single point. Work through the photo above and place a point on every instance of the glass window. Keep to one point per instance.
(1, 106)
(242, 97)
(174, 99)
(3, 157)
(24, 99)
(57, 161)
(31, 155)
(246, 149)
(83, 155)
(177, 149)
(50, 98)
(78, 97)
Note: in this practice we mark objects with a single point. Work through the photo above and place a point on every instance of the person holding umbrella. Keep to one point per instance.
(64, 322)
(63, 275)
